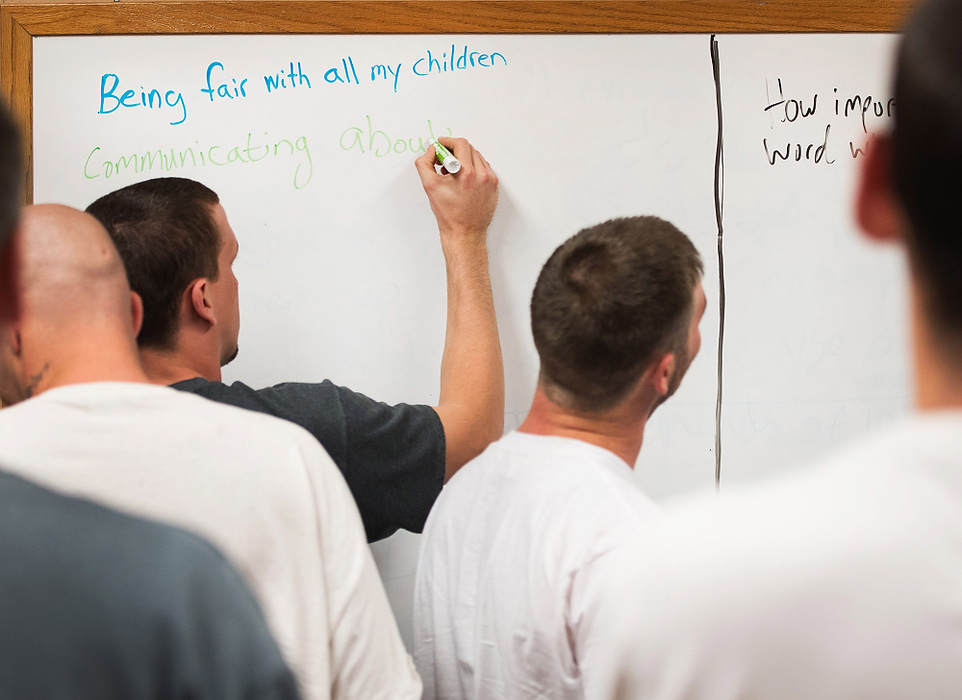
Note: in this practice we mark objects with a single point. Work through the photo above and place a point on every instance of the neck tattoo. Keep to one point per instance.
(35, 380)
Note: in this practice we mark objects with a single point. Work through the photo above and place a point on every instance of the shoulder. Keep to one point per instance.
(254, 437)
(588, 494)
(846, 556)
(155, 554)
(241, 393)
(321, 407)
(767, 526)
(236, 403)
(148, 593)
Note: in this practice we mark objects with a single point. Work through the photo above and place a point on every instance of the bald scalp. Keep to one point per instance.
(77, 318)
(70, 272)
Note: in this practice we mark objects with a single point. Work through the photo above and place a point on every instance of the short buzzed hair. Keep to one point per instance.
(927, 153)
(165, 234)
(606, 302)
(11, 174)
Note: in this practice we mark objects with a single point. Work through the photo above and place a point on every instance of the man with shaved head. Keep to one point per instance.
(77, 311)
(102, 606)
(88, 422)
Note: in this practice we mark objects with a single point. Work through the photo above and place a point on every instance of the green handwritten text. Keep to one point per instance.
(102, 163)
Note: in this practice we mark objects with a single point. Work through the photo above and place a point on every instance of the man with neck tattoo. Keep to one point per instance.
(97, 605)
(88, 422)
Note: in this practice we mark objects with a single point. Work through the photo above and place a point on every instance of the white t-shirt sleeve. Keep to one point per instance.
(368, 658)
(586, 603)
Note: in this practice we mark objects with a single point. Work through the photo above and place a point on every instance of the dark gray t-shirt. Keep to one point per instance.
(101, 606)
(392, 457)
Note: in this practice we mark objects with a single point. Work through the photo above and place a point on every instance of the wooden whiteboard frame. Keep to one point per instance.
(21, 22)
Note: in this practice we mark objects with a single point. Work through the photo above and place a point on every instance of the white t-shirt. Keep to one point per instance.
(261, 489)
(841, 582)
(510, 564)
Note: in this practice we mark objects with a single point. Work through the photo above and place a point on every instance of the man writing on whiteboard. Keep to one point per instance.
(178, 248)
(843, 581)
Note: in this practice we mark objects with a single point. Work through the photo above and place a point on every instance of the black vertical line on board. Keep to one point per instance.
(719, 213)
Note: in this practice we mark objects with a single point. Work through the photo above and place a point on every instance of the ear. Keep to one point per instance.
(136, 312)
(15, 341)
(199, 301)
(663, 371)
(877, 208)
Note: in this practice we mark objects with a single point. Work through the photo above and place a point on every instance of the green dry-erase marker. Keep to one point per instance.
(446, 158)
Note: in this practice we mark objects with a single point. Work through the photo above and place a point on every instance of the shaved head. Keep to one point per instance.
(77, 313)
(70, 271)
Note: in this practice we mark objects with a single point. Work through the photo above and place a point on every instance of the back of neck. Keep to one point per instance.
(82, 360)
(938, 362)
(168, 367)
(615, 430)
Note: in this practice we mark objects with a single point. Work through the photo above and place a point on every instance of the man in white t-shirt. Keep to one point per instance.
(96, 605)
(843, 581)
(89, 423)
(516, 546)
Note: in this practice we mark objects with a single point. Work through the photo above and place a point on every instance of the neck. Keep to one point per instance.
(168, 367)
(619, 430)
(83, 360)
(938, 369)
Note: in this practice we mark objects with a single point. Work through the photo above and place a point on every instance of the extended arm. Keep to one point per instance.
(471, 404)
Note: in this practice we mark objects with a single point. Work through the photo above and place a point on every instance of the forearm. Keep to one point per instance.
(471, 405)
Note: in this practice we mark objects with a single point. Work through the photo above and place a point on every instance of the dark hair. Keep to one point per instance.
(927, 155)
(608, 299)
(166, 236)
(11, 174)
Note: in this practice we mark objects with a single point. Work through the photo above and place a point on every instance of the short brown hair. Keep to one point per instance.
(608, 299)
(165, 233)
(927, 151)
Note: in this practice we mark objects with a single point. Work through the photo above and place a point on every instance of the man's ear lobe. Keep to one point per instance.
(136, 312)
(198, 300)
(664, 369)
(877, 208)
(16, 342)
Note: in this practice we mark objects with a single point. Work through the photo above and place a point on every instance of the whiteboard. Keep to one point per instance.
(310, 142)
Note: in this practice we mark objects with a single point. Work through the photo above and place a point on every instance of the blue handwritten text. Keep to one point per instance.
(466, 60)
(337, 75)
(292, 78)
(381, 70)
(232, 91)
(110, 102)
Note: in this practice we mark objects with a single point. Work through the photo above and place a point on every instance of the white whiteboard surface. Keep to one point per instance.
(816, 346)
(340, 267)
